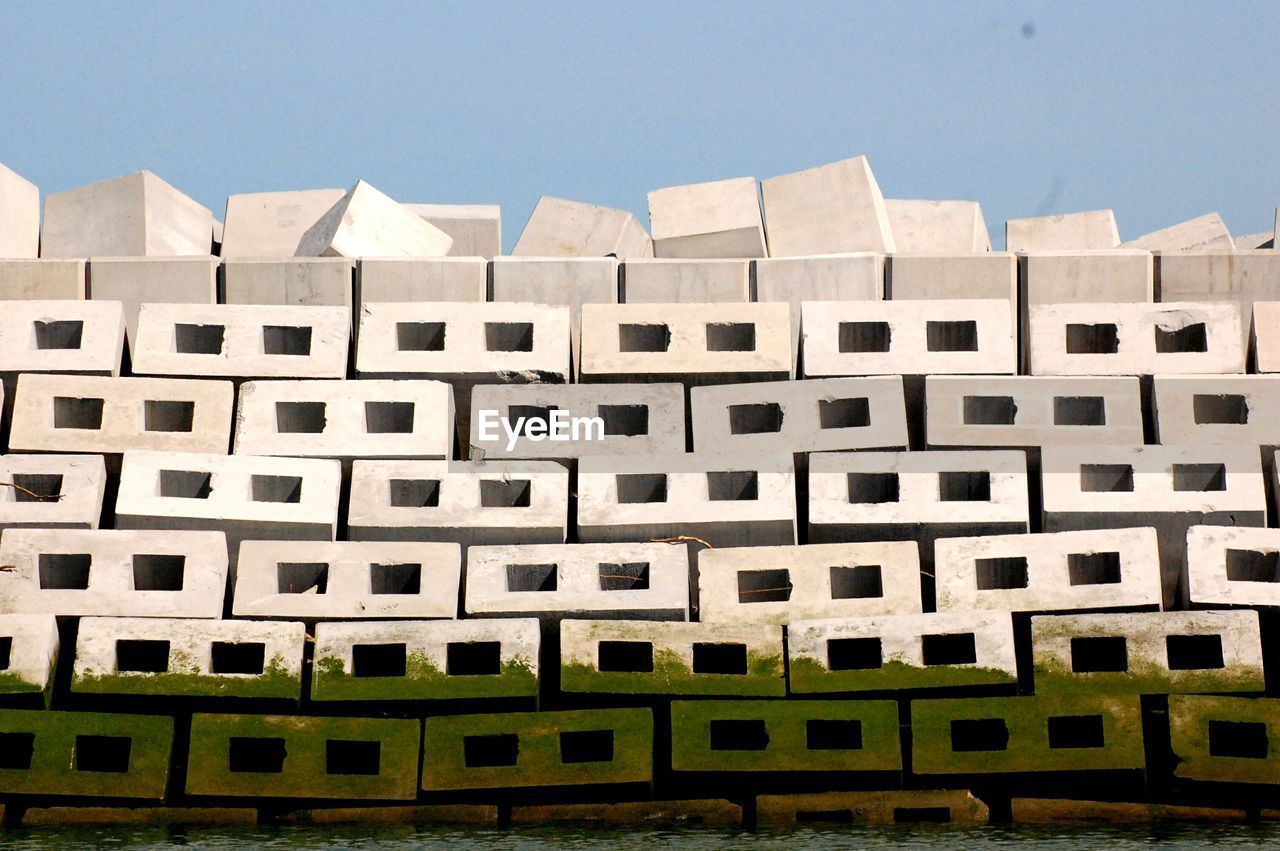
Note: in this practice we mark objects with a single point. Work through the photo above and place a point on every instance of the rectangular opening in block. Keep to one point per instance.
(1099, 654)
(1194, 652)
(142, 656)
(952, 336)
(756, 418)
(854, 654)
(989, 410)
(824, 816)
(77, 413)
(1093, 568)
(953, 649)
(168, 415)
(1223, 409)
(511, 493)
(16, 750)
(1186, 339)
(302, 577)
(1199, 477)
(420, 336)
(1007, 572)
(300, 417)
(854, 412)
(490, 751)
(1092, 339)
(739, 735)
(623, 576)
(921, 815)
(36, 487)
(238, 657)
(859, 337)
(1238, 739)
(103, 754)
(641, 487)
(586, 746)
(856, 582)
(6, 651)
(731, 337)
(964, 486)
(531, 414)
(1253, 566)
(415, 493)
(872, 488)
(1106, 478)
(628, 657)
(342, 756)
(286, 340)
(733, 486)
(379, 660)
(286, 489)
(1079, 411)
(473, 658)
(764, 586)
(158, 571)
(58, 334)
(64, 571)
(643, 337)
(979, 734)
(833, 734)
(508, 336)
(624, 420)
(532, 577)
(1075, 731)
(252, 755)
(395, 578)
(715, 658)
(198, 339)
(186, 484)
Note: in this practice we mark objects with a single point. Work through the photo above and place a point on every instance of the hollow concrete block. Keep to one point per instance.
(270, 224)
(42, 279)
(667, 281)
(51, 491)
(75, 337)
(894, 807)
(476, 229)
(19, 215)
(561, 228)
(365, 221)
(720, 218)
(403, 279)
(828, 209)
(136, 281)
(1224, 739)
(136, 215)
(29, 648)
(1094, 229)
(1203, 233)
(299, 280)
(937, 227)
(1233, 566)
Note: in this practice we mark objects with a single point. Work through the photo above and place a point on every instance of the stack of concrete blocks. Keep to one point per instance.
(365, 221)
(135, 281)
(937, 227)
(22, 280)
(716, 219)
(29, 649)
(1233, 566)
(829, 209)
(52, 491)
(560, 228)
(569, 281)
(19, 215)
(476, 229)
(1243, 277)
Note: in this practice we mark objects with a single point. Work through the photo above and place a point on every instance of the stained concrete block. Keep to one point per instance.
(999, 735)
(142, 574)
(135, 215)
(1059, 811)
(346, 580)
(136, 281)
(1094, 229)
(1060, 571)
(476, 229)
(720, 218)
(952, 276)
(168, 817)
(42, 279)
(1147, 653)
(188, 658)
(779, 585)
(937, 227)
(51, 491)
(493, 503)
(907, 651)
(802, 736)
(1224, 739)
(618, 581)
(1243, 277)
(684, 281)
(279, 756)
(725, 499)
(77, 337)
(1203, 233)
(298, 280)
(538, 749)
(1233, 566)
(365, 221)
(828, 209)
(29, 651)
(572, 281)
(242, 341)
(1266, 336)
(85, 754)
(270, 224)
(404, 279)
(896, 807)
(653, 658)
(19, 215)
(561, 228)
(700, 813)
(426, 660)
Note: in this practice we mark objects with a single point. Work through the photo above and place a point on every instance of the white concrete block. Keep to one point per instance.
(1204, 233)
(30, 653)
(78, 337)
(684, 281)
(270, 224)
(951, 276)
(937, 227)
(476, 229)
(19, 215)
(159, 280)
(829, 209)
(1241, 410)
(51, 491)
(1233, 566)
(560, 228)
(1114, 275)
(1245, 276)
(1266, 336)
(1066, 232)
(135, 215)
(720, 218)
(573, 281)
(298, 280)
(365, 221)
(42, 279)
(1250, 241)
(423, 279)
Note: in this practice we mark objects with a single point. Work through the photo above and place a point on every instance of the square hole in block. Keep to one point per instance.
(1253, 566)
(252, 755)
(623, 576)
(302, 577)
(300, 417)
(473, 658)
(989, 410)
(841, 734)
(490, 751)
(1224, 409)
(379, 660)
(1239, 739)
(6, 651)
(586, 746)
(1199, 477)
(854, 654)
(414, 493)
(1194, 652)
(286, 489)
(1106, 478)
(1007, 572)
(103, 754)
(143, 656)
(964, 486)
(624, 420)
(954, 649)
(345, 757)
(756, 418)
(64, 571)
(631, 657)
(856, 582)
(36, 487)
(286, 340)
(872, 488)
(158, 571)
(198, 339)
(1075, 731)
(1079, 411)
(16, 750)
(952, 336)
(512, 493)
(1092, 339)
(168, 415)
(508, 336)
(731, 337)
(859, 337)
(979, 734)
(764, 586)
(395, 578)
(1187, 339)
(733, 486)
(643, 338)
(641, 487)
(532, 577)
(844, 413)
(420, 336)
(738, 735)
(186, 484)
(238, 657)
(77, 413)
(1099, 654)
(58, 334)
(716, 658)
(1093, 568)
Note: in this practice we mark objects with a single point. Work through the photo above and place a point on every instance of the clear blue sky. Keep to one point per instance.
(1162, 111)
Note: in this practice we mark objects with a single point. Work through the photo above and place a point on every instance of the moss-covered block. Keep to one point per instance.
(277, 756)
(28, 654)
(872, 808)
(1225, 739)
(88, 754)
(521, 749)
(1026, 734)
(785, 735)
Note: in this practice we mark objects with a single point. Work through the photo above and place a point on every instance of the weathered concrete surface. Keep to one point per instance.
(937, 227)
(404, 279)
(1057, 811)
(298, 280)
(270, 224)
(365, 221)
(30, 644)
(136, 281)
(135, 215)
(1233, 566)
(1224, 739)
(561, 228)
(950, 276)
(42, 279)
(1203, 233)
(666, 281)
(50, 491)
(700, 813)
(140, 816)
(897, 807)
(476, 229)
(1085, 231)
(19, 215)
(829, 209)
(720, 218)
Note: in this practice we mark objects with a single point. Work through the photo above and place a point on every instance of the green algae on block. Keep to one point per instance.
(809, 676)
(785, 735)
(521, 749)
(1225, 739)
(275, 681)
(422, 680)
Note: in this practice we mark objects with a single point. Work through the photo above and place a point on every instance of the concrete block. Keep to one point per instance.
(653, 658)
(1057, 811)
(346, 580)
(80, 817)
(139, 574)
(560, 228)
(1147, 653)
(800, 736)
(426, 660)
(429, 814)
(422, 279)
(1135, 339)
(137, 281)
(779, 585)
(1094, 229)
(188, 658)
(1224, 739)
(897, 807)
(278, 756)
(136, 215)
(270, 224)
(1023, 735)
(618, 581)
(1243, 277)
(345, 419)
(1266, 336)
(720, 218)
(42, 279)
(894, 652)
(952, 276)
(1064, 277)
(365, 221)
(298, 280)
(76, 337)
(684, 281)
(1203, 233)
(538, 749)
(1262, 239)
(494, 503)
(937, 227)
(1241, 410)
(476, 229)
(700, 813)
(51, 491)
(29, 653)
(725, 500)
(826, 210)
(840, 277)
(19, 215)
(1168, 487)
(85, 754)
(1061, 571)
(242, 341)
(1233, 566)
(572, 281)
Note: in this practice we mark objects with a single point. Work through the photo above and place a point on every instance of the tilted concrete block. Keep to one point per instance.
(1095, 229)
(1243, 277)
(76, 337)
(188, 658)
(29, 652)
(896, 807)
(620, 581)
(720, 218)
(494, 502)
(560, 228)
(476, 229)
(1233, 566)
(701, 812)
(1135, 339)
(952, 276)
(1266, 336)
(1224, 739)
(270, 224)
(73, 572)
(724, 499)
(1250, 241)
(684, 281)
(1147, 653)
(426, 660)
(19, 215)
(908, 651)
(937, 227)
(365, 221)
(51, 491)
(152, 280)
(1060, 571)
(298, 280)
(828, 209)
(653, 658)
(346, 580)
(1203, 233)
(779, 585)
(242, 341)
(42, 279)
(135, 215)
(422, 279)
